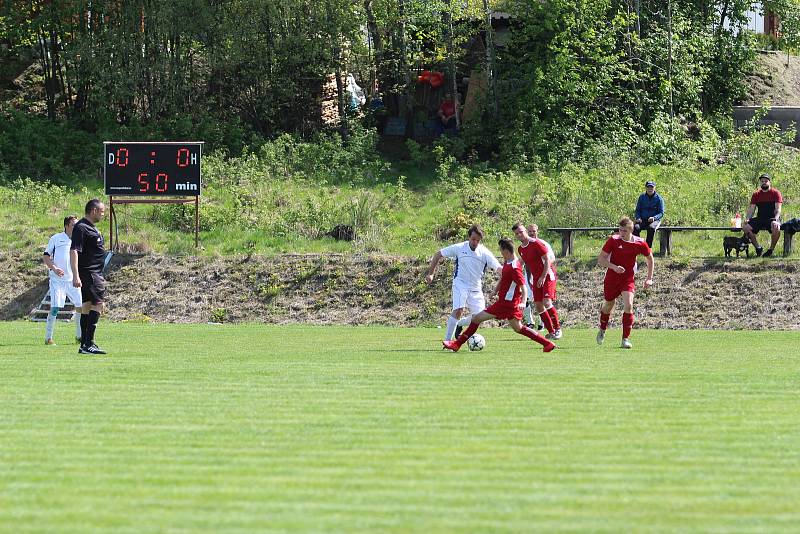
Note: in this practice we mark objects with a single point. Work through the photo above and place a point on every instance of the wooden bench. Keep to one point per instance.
(664, 236)
(568, 236)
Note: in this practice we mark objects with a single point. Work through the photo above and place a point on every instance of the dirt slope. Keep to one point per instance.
(774, 80)
(343, 289)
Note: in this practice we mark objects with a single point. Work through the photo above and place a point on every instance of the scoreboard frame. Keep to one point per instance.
(152, 172)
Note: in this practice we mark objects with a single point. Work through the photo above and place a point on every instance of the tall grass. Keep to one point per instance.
(288, 196)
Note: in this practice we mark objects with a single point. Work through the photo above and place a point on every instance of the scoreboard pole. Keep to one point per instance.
(112, 215)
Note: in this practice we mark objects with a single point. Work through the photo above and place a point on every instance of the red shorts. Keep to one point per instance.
(614, 286)
(504, 310)
(547, 291)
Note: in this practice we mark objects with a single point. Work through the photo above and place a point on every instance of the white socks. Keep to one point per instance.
(527, 315)
(452, 322)
(78, 324)
(50, 324)
(464, 321)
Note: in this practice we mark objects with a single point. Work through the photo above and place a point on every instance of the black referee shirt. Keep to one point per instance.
(86, 239)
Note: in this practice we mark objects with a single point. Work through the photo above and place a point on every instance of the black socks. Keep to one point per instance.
(84, 328)
(87, 332)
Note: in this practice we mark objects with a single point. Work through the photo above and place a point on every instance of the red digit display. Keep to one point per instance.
(122, 157)
(161, 187)
(144, 183)
(183, 157)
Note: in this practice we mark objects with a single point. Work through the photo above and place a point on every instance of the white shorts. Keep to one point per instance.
(59, 291)
(469, 298)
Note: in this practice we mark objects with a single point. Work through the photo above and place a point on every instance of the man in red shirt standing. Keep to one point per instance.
(510, 292)
(540, 263)
(619, 258)
(768, 200)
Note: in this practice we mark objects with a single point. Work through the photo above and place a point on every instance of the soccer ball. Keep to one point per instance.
(476, 342)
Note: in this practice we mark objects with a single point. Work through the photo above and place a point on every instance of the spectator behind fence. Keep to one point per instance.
(649, 212)
(768, 201)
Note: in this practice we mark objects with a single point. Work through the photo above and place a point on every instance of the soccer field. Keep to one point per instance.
(251, 428)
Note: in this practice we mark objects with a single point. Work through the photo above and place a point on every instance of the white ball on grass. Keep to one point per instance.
(476, 342)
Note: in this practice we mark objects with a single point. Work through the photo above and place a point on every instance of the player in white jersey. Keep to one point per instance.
(56, 257)
(472, 260)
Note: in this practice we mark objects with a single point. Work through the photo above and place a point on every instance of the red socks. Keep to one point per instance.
(530, 334)
(604, 317)
(627, 324)
(547, 321)
(554, 317)
(471, 329)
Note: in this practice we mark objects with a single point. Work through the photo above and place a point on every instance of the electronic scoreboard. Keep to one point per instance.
(152, 168)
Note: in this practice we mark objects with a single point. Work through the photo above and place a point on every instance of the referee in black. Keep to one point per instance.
(86, 255)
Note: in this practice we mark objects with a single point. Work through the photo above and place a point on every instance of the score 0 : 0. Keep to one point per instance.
(182, 158)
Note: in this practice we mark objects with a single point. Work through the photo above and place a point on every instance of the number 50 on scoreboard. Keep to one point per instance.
(152, 168)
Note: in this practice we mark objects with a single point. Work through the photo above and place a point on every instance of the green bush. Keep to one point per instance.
(33, 196)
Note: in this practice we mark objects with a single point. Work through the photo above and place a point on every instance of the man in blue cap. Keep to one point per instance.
(649, 212)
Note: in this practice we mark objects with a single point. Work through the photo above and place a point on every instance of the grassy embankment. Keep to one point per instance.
(259, 204)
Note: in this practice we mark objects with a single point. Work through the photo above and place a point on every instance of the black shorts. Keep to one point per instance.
(93, 287)
(757, 225)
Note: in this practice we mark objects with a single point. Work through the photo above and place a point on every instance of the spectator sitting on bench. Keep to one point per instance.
(649, 212)
(768, 201)
(447, 116)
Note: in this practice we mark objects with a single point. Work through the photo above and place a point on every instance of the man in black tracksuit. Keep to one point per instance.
(87, 254)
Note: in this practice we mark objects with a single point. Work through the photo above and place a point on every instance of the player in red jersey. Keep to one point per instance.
(510, 292)
(619, 258)
(540, 263)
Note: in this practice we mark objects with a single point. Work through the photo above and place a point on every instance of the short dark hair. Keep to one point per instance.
(765, 175)
(69, 218)
(626, 221)
(517, 225)
(91, 205)
(506, 244)
(475, 229)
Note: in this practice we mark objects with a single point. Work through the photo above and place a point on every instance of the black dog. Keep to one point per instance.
(739, 244)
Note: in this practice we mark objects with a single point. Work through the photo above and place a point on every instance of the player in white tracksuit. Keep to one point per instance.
(56, 258)
(472, 260)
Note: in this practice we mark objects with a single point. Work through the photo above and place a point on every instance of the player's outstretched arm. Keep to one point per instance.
(650, 265)
(432, 267)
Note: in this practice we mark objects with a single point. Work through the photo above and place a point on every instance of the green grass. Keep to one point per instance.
(252, 427)
(255, 205)
(406, 229)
